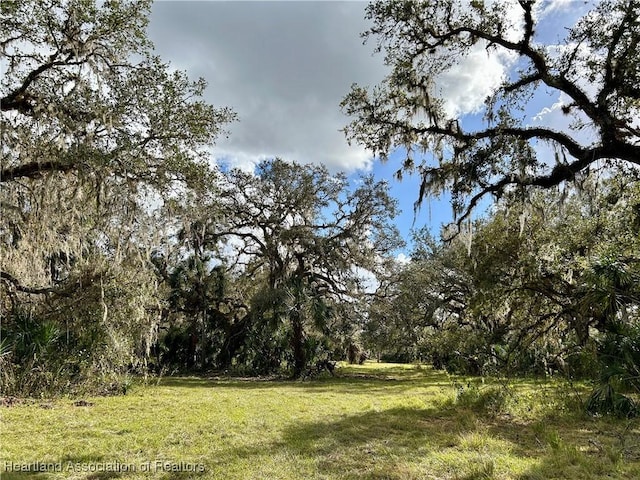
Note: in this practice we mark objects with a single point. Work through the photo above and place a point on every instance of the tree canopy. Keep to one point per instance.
(305, 239)
(125, 249)
(548, 287)
(90, 114)
(96, 133)
(595, 69)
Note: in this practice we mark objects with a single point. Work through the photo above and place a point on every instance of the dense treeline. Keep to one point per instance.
(544, 283)
(546, 286)
(270, 274)
(123, 250)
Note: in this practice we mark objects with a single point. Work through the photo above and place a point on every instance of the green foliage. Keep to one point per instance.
(294, 240)
(548, 281)
(544, 287)
(30, 354)
(486, 399)
(96, 132)
(82, 342)
(606, 400)
(424, 41)
(618, 384)
(121, 249)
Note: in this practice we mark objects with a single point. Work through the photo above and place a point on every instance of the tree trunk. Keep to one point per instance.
(297, 343)
(235, 337)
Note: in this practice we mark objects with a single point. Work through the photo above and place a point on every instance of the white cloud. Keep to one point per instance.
(551, 6)
(343, 159)
(284, 67)
(368, 281)
(514, 16)
(402, 259)
(237, 159)
(466, 85)
(538, 117)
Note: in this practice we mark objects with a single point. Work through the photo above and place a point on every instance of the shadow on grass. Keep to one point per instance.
(441, 443)
(347, 380)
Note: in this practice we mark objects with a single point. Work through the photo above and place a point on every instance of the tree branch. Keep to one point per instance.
(7, 277)
(559, 174)
(19, 99)
(34, 169)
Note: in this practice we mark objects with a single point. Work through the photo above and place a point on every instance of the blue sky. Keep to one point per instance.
(284, 67)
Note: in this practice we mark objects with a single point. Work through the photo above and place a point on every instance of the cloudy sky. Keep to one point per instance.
(285, 66)
(282, 66)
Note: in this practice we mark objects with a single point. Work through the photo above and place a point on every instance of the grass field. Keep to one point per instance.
(376, 421)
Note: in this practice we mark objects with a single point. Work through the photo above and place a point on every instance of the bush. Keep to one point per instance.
(619, 374)
(605, 400)
(490, 400)
(81, 341)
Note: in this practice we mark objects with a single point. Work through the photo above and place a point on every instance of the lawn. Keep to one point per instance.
(376, 421)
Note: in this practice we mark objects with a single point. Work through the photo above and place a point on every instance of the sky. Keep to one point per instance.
(284, 68)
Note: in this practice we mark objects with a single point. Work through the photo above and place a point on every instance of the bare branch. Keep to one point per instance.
(7, 277)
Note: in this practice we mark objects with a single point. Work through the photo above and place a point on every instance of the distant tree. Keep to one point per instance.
(595, 69)
(309, 237)
(204, 314)
(546, 284)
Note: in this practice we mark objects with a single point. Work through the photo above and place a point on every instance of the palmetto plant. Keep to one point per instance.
(611, 296)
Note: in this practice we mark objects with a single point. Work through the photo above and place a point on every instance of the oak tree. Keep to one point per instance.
(595, 69)
(96, 132)
(309, 236)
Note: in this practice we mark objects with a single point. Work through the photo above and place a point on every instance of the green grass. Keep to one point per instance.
(376, 421)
